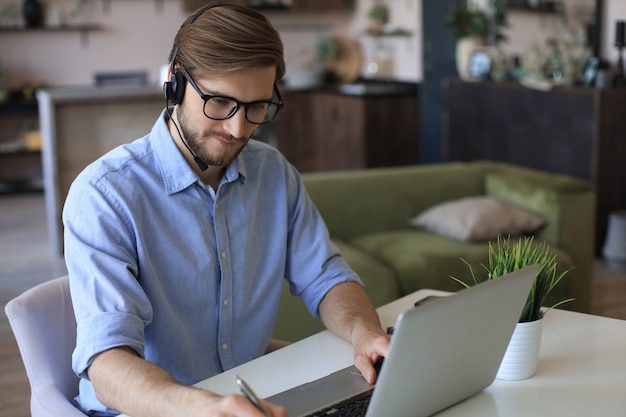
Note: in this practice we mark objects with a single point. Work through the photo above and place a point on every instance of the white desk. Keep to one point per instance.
(582, 369)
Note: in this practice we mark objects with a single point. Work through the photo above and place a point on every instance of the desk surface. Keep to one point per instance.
(581, 372)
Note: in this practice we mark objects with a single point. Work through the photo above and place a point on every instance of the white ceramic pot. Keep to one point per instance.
(465, 47)
(522, 354)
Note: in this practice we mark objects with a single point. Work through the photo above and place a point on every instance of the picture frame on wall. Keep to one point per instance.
(479, 65)
(590, 71)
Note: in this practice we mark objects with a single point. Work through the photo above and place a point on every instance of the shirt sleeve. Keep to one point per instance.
(111, 308)
(314, 263)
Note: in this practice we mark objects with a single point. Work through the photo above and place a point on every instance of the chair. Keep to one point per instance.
(43, 322)
(44, 325)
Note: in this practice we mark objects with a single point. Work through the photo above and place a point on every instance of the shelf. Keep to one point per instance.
(82, 29)
(13, 107)
(527, 9)
(18, 152)
(397, 33)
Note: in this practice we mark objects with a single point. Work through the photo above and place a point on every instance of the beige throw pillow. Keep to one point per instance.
(477, 218)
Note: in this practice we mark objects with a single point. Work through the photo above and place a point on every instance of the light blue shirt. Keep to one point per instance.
(188, 277)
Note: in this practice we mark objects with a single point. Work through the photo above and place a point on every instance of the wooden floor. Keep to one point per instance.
(26, 260)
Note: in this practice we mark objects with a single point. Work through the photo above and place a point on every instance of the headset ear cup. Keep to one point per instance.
(177, 87)
(167, 90)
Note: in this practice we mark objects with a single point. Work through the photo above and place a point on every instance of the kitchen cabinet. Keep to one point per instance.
(324, 130)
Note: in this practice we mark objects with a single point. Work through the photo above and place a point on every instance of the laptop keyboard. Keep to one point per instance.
(352, 407)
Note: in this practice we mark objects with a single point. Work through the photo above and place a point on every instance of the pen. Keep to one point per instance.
(247, 391)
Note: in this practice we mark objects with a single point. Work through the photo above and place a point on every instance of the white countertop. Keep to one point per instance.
(90, 93)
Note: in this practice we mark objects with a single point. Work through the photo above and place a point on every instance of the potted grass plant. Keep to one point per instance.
(520, 361)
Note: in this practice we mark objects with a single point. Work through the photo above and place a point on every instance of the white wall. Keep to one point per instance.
(134, 36)
(613, 10)
(526, 29)
(137, 35)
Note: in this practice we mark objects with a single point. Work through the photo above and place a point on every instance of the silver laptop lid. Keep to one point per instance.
(450, 349)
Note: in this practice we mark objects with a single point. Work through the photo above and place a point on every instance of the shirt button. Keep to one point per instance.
(225, 302)
(223, 254)
(225, 346)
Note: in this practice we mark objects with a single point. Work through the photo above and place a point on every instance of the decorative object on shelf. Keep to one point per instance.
(381, 64)
(465, 48)
(32, 13)
(54, 16)
(80, 5)
(618, 76)
(614, 248)
(308, 68)
(561, 61)
(378, 16)
(345, 65)
(470, 20)
(475, 28)
(521, 358)
(501, 64)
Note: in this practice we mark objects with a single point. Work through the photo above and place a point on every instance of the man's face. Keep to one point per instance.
(218, 142)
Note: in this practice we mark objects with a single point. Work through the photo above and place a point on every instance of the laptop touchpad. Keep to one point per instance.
(322, 392)
(344, 383)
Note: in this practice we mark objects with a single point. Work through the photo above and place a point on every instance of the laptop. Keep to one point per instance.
(441, 353)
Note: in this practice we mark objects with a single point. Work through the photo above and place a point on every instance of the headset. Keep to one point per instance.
(174, 90)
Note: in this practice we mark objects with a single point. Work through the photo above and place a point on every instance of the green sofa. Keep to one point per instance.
(367, 213)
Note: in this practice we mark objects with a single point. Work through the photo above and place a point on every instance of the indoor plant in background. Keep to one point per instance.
(475, 28)
(378, 16)
(520, 360)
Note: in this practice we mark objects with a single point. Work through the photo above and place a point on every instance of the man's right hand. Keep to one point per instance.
(131, 385)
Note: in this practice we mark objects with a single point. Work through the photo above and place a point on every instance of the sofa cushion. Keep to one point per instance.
(518, 190)
(477, 218)
(414, 251)
(381, 282)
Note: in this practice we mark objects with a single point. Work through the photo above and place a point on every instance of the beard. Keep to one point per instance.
(197, 140)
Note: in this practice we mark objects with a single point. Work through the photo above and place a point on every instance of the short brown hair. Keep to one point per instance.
(227, 38)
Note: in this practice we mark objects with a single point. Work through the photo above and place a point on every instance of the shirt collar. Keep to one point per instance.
(177, 174)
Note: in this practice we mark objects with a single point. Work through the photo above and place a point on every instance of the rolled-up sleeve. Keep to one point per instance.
(109, 312)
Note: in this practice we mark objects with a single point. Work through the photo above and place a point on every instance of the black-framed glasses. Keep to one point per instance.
(223, 107)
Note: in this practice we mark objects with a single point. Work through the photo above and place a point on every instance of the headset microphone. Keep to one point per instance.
(201, 164)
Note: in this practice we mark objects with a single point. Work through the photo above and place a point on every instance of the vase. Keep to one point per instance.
(32, 13)
(614, 248)
(465, 47)
(522, 355)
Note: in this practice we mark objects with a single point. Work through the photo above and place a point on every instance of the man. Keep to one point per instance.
(177, 243)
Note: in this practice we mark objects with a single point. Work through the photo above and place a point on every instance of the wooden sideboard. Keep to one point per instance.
(329, 129)
(568, 130)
